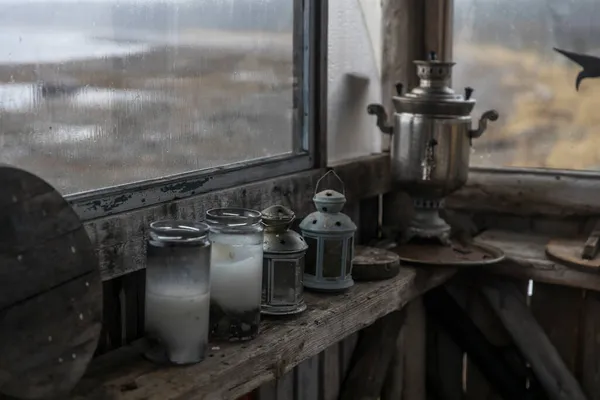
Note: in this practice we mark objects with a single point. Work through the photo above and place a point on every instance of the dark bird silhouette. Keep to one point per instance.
(590, 65)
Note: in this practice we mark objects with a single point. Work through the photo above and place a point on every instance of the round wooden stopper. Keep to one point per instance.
(372, 264)
(568, 251)
(50, 290)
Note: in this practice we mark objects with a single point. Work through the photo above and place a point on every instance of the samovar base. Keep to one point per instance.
(427, 223)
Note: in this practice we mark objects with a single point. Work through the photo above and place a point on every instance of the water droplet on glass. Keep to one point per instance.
(81, 317)
(73, 250)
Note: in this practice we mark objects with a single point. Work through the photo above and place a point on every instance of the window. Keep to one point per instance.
(503, 49)
(124, 103)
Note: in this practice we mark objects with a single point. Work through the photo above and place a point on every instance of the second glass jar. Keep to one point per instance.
(236, 277)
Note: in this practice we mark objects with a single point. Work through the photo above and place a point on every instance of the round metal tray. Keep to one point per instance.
(457, 255)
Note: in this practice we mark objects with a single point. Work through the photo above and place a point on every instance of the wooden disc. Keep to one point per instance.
(50, 290)
(568, 251)
(372, 264)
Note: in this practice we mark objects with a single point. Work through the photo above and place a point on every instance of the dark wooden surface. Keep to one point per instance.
(372, 357)
(50, 290)
(236, 369)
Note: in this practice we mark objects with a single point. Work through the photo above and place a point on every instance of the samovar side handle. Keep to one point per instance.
(382, 118)
(489, 115)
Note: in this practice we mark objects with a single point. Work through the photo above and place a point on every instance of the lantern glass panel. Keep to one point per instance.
(349, 255)
(310, 263)
(284, 282)
(333, 250)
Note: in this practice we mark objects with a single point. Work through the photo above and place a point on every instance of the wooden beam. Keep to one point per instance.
(372, 357)
(547, 365)
(231, 370)
(120, 239)
(529, 192)
(526, 259)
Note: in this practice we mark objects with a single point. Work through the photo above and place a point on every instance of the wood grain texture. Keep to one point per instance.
(590, 346)
(415, 352)
(526, 259)
(529, 192)
(236, 369)
(50, 290)
(330, 376)
(558, 310)
(120, 239)
(307, 379)
(547, 364)
(372, 357)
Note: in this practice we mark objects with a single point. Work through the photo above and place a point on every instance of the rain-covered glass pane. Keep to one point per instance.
(95, 93)
(504, 50)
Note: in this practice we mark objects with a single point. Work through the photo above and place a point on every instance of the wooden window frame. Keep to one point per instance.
(310, 46)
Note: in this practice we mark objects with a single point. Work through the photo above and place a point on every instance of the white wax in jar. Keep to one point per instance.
(236, 276)
(178, 316)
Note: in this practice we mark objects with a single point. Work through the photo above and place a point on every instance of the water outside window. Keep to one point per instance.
(95, 93)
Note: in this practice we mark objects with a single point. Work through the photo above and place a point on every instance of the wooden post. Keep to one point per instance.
(546, 363)
(371, 358)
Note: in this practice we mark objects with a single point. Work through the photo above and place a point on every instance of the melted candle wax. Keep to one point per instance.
(178, 316)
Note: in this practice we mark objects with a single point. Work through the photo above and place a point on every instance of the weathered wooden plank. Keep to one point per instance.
(330, 375)
(307, 379)
(236, 369)
(111, 335)
(120, 239)
(553, 303)
(529, 192)
(268, 391)
(133, 305)
(394, 381)
(438, 28)
(526, 259)
(372, 357)
(444, 359)
(285, 386)
(415, 351)
(590, 346)
(552, 373)
(348, 346)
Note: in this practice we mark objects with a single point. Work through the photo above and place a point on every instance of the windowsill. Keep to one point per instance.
(526, 259)
(232, 370)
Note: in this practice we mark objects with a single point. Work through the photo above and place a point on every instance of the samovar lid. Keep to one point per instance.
(434, 94)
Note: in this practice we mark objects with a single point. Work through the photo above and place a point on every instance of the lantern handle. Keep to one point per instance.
(331, 171)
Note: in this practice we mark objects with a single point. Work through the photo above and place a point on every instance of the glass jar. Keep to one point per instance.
(178, 291)
(236, 283)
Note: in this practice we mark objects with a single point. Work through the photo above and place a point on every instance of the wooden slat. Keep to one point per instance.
(590, 346)
(285, 387)
(330, 374)
(558, 310)
(414, 351)
(444, 364)
(132, 305)
(526, 259)
(394, 381)
(372, 357)
(307, 379)
(348, 346)
(236, 369)
(550, 370)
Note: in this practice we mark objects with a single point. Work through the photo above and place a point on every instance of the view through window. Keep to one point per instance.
(503, 49)
(96, 93)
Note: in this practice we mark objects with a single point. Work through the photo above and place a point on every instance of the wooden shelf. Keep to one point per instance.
(526, 259)
(232, 370)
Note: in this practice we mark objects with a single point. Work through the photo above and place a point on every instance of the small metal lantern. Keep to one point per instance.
(283, 264)
(330, 238)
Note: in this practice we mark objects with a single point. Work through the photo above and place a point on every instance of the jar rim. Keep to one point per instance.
(233, 216)
(178, 231)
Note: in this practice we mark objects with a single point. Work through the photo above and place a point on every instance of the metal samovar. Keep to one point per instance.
(431, 143)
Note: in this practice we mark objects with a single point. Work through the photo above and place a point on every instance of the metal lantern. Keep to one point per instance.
(283, 263)
(330, 238)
